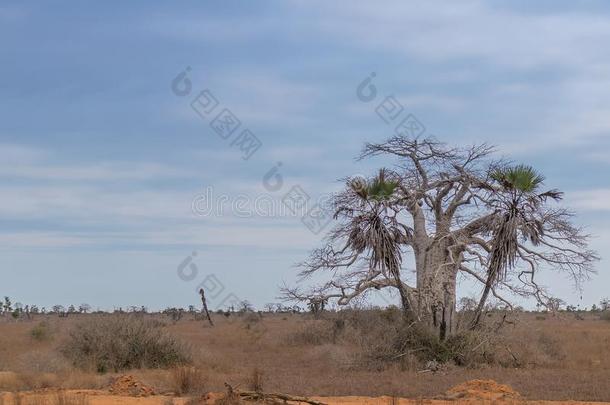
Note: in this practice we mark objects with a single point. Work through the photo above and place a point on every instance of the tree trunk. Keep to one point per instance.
(205, 306)
(481, 306)
(407, 305)
(436, 287)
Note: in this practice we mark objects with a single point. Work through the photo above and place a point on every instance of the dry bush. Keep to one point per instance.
(251, 318)
(255, 382)
(41, 332)
(14, 382)
(123, 342)
(187, 380)
(384, 338)
(312, 333)
(42, 361)
(36, 381)
(317, 332)
(605, 315)
(551, 347)
(407, 342)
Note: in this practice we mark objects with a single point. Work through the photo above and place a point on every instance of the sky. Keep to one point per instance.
(104, 153)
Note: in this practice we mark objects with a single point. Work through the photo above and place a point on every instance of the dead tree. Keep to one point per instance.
(205, 306)
(454, 211)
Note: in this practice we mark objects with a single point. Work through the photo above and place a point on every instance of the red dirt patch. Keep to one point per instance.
(127, 385)
(482, 389)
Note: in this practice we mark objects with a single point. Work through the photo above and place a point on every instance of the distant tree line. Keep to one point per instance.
(18, 311)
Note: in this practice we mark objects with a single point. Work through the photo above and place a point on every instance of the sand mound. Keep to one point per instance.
(127, 385)
(482, 389)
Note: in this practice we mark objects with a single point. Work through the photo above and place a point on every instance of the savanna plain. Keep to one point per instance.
(358, 352)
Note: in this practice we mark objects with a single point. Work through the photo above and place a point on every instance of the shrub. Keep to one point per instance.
(384, 337)
(313, 333)
(550, 346)
(605, 316)
(252, 318)
(255, 382)
(415, 341)
(41, 332)
(187, 380)
(123, 342)
(42, 361)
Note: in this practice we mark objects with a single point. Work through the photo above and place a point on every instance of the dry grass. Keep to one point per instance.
(59, 398)
(62, 398)
(187, 381)
(255, 382)
(560, 358)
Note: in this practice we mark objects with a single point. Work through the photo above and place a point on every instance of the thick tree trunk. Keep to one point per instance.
(436, 287)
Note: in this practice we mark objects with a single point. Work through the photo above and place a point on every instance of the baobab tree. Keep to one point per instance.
(454, 211)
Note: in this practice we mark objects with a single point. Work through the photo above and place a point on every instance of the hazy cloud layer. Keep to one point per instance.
(100, 161)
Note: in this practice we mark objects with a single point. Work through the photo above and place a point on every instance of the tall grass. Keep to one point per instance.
(187, 380)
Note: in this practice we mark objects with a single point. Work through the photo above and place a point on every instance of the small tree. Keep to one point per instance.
(58, 309)
(245, 306)
(554, 304)
(316, 305)
(7, 305)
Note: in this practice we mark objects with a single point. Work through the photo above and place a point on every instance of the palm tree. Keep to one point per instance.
(515, 201)
(374, 229)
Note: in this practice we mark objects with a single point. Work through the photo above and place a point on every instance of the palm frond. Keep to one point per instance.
(379, 188)
(520, 178)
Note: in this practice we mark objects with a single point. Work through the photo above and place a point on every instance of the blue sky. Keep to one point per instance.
(100, 161)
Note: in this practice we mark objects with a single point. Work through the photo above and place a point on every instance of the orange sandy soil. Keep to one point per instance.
(104, 398)
(127, 390)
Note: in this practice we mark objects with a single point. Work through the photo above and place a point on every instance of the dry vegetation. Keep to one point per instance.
(348, 353)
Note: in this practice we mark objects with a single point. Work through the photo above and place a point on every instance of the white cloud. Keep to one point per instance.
(23, 162)
(444, 31)
(92, 172)
(566, 108)
(591, 200)
(92, 209)
(296, 236)
(11, 154)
